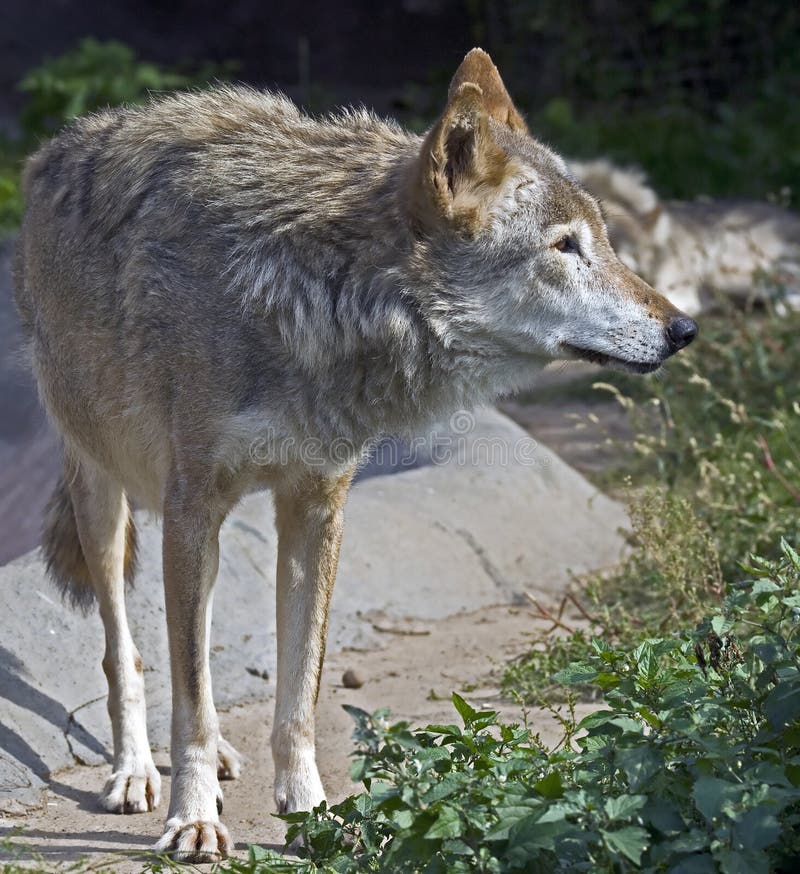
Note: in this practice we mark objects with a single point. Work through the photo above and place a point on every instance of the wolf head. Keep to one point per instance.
(514, 251)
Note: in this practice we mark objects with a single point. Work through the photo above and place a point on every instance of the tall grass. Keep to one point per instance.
(715, 477)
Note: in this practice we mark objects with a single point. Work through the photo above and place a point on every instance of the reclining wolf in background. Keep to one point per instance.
(693, 251)
(213, 267)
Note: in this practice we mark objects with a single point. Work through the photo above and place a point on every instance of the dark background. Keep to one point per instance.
(700, 92)
(708, 48)
(355, 48)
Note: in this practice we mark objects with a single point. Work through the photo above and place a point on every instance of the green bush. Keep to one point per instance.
(692, 765)
(10, 194)
(97, 74)
(90, 76)
(742, 149)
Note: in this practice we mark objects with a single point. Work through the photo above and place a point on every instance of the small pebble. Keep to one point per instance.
(352, 679)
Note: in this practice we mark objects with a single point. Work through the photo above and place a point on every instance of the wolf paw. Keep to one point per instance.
(229, 762)
(194, 842)
(132, 790)
(300, 790)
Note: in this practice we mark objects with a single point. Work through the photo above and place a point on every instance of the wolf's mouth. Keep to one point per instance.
(613, 361)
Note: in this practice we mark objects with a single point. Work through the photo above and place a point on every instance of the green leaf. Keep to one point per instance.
(663, 816)
(699, 864)
(649, 717)
(782, 705)
(433, 755)
(741, 862)
(356, 713)
(359, 769)
(793, 773)
(606, 681)
(593, 720)
(403, 818)
(722, 625)
(790, 553)
(576, 672)
(446, 730)
(630, 841)
(529, 835)
(509, 815)
(624, 806)
(627, 724)
(458, 848)
(712, 795)
(446, 787)
(758, 828)
(484, 719)
(692, 841)
(550, 785)
(465, 711)
(256, 853)
(448, 824)
(382, 791)
(646, 660)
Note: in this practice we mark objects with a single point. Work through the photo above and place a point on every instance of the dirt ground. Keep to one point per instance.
(413, 676)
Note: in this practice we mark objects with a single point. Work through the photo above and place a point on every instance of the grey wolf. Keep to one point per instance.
(218, 266)
(695, 251)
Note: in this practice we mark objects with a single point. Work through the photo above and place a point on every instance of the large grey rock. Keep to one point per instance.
(484, 515)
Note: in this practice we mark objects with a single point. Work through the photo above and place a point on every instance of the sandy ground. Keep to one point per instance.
(414, 676)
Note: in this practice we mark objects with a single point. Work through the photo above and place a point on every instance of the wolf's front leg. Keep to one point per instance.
(193, 831)
(309, 519)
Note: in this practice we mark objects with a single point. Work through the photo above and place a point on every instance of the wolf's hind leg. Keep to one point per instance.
(104, 526)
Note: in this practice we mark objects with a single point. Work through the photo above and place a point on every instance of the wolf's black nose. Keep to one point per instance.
(681, 332)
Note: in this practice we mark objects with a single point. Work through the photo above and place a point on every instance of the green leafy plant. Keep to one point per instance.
(739, 149)
(90, 76)
(10, 195)
(692, 764)
(96, 74)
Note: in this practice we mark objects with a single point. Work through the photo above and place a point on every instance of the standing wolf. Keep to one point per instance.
(215, 267)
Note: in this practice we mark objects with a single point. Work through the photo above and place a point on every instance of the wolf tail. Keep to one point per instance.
(63, 553)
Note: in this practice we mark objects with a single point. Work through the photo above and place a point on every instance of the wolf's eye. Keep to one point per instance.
(568, 245)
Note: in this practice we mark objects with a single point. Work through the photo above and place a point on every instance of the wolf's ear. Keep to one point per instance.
(477, 67)
(460, 167)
